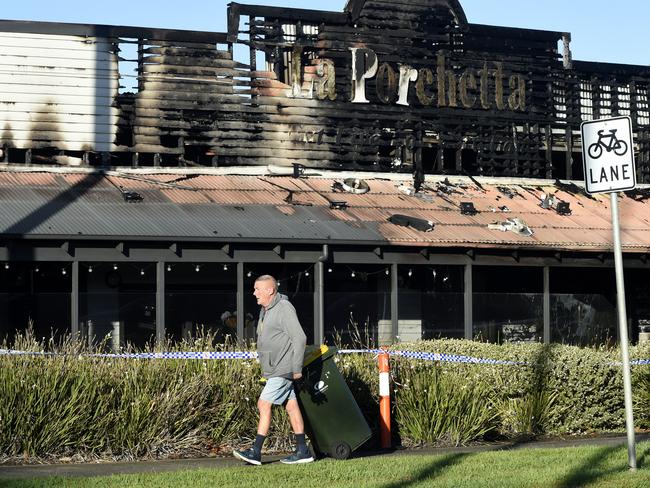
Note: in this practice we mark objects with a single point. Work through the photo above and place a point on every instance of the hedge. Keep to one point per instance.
(74, 404)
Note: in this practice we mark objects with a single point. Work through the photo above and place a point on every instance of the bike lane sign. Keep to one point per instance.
(608, 155)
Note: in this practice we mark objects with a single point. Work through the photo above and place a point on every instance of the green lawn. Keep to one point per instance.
(566, 467)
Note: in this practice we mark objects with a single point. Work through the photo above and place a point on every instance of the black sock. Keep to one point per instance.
(302, 444)
(259, 442)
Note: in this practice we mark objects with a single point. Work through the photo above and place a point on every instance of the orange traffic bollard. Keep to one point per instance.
(384, 399)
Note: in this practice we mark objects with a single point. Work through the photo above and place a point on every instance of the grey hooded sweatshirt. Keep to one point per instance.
(280, 339)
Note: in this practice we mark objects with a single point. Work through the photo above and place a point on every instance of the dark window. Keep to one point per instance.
(583, 305)
(117, 304)
(357, 304)
(201, 301)
(36, 296)
(508, 303)
(431, 302)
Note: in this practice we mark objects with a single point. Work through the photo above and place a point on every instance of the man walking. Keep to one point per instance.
(280, 348)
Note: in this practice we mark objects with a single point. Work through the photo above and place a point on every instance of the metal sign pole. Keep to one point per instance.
(623, 339)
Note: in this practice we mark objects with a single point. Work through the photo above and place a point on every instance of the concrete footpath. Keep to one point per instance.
(8, 472)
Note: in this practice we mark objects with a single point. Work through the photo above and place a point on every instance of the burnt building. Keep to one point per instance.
(404, 173)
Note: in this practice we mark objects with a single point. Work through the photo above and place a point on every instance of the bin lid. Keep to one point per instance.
(317, 352)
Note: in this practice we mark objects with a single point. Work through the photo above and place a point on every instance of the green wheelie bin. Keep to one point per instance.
(333, 419)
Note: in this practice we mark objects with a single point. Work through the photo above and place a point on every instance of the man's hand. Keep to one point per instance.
(298, 381)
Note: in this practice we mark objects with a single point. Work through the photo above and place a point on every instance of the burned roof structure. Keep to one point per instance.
(383, 86)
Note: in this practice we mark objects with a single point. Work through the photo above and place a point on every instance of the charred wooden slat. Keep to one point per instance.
(190, 70)
(155, 148)
(187, 52)
(186, 89)
(150, 96)
(180, 43)
(202, 61)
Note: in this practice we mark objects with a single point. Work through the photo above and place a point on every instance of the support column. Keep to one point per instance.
(160, 303)
(569, 152)
(468, 303)
(319, 304)
(74, 300)
(547, 305)
(240, 303)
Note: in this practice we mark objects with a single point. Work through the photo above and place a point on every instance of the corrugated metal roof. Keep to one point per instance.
(46, 204)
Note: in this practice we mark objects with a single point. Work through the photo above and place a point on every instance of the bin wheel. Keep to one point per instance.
(341, 450)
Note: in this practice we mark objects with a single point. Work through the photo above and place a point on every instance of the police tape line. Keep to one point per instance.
(454, 358)
(209, 355)
(433, 356)
(144, 355)
(635, 362)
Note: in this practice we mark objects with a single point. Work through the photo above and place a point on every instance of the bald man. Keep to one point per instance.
(281, 349)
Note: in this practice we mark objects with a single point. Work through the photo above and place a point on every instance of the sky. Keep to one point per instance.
(601, 30)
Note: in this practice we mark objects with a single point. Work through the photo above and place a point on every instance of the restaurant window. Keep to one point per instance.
(586, 102)
(624, 104)
(117, 304)
(431, 302)
(357, 304)
(642, 107)
(583, 306)
(201, 301)
(508, 304)
(605, 98)
(34, 296)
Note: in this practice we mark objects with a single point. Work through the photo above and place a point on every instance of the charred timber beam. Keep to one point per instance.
(293, 14)
(569, 153)
(514, 32)
(589, 69)
(233, 21)
(95, 30)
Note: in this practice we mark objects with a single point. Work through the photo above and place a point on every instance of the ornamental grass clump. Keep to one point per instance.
(442, 405)
(127, 408)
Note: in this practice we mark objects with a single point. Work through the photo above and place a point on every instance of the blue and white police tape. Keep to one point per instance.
(433, 356)
(634, 362)
(146, 355)
(210, 355)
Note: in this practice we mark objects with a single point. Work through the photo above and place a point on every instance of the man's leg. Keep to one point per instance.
(295, 417)
(254, 454)
(264, 423)
(302, 454)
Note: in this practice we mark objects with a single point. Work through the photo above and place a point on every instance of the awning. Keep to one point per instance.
(199, 205)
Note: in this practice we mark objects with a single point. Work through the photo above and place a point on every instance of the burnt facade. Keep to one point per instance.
(383, 86)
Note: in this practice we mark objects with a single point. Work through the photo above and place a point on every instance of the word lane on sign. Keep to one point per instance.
(608, 155)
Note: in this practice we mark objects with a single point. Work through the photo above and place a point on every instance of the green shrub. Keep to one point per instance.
(441, 405)
(123, 407)
(55, 405)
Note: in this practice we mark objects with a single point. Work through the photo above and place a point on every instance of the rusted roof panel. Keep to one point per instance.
(20, 179)
(232, 182)
(182, 197)
(237, 207)
(246, 197)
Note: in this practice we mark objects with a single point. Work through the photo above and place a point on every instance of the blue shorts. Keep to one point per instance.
(278, 390)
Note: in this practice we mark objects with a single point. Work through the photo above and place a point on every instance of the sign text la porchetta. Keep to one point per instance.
(486, 88)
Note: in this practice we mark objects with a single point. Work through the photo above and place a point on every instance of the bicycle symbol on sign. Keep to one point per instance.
(596, 149)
